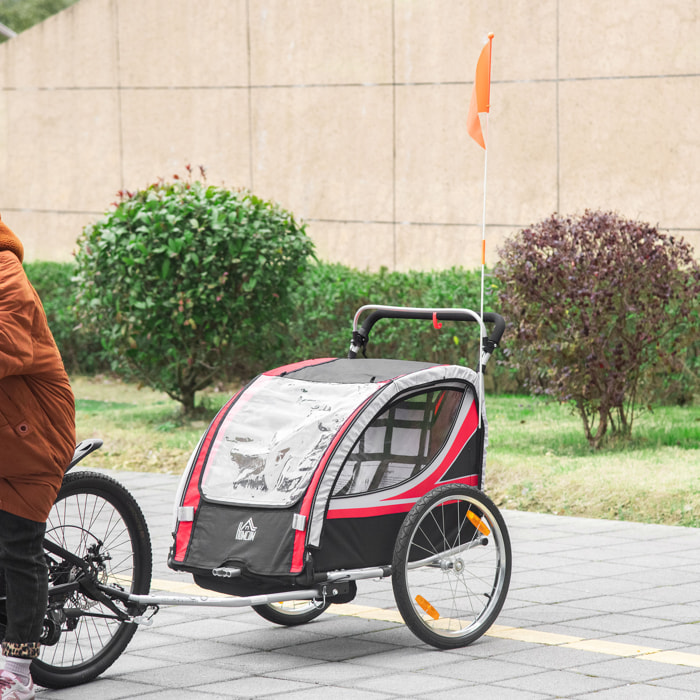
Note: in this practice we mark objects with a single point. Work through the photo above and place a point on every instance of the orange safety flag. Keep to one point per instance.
(481, 94)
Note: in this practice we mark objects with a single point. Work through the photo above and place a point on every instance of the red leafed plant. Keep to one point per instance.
(598, 303)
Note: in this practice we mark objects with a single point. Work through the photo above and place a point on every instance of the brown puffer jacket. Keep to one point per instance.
(37, 409)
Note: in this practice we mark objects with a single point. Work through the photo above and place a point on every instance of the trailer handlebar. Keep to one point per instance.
(360, 336)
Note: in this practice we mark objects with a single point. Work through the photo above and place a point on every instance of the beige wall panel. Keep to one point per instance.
(446, 246)
(325, 153)
(75, 48)
(440, 169)
(183, 43)
(165, 130)
(362, 246)
(48, 235)
(634, 37)
(63, 150)
(522, 160)
(440, 40)
(313, 42)
(640, 157)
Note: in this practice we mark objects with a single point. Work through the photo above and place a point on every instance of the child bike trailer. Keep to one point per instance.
(325, 472)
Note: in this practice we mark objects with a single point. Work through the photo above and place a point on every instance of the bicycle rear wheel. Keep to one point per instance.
(98, 520)
(451, 566)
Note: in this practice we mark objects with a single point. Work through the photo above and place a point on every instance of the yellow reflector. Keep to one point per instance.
(478, 523)
(427, 607)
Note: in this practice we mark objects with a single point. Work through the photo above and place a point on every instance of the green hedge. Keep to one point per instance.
(325, 303)
(81, 351)
(331, 294)
(322, 326)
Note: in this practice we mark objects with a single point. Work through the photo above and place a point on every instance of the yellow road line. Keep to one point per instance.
(518, 634)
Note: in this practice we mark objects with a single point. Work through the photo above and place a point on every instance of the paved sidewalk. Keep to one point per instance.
(596, 609)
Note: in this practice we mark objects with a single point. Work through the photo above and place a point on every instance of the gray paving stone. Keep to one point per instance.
(614, 623)
(553, 657)
(687, 681)
(488, 692)
(266, 662)
(397, 636)
(410, 659)
(639, 691)
(484, 670)
(336, 673)
(339, 649)
(185, 675)
(408, 683)
(255, 687)
(687, 634)
(201, 651)
(335, 693)
(102, 688)
(632, 670)
(677, 593)
(178, 694)
(562, 683)
(623, 582)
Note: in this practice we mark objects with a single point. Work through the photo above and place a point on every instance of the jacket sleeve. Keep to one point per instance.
(17, 309)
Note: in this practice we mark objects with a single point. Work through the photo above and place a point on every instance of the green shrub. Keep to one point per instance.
(600, 306)
(182, 278)
(81, 351)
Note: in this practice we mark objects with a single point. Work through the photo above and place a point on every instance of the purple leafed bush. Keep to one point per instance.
(598, 305)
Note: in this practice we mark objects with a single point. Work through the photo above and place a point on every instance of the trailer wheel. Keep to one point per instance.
(291, 612)
(451, 566)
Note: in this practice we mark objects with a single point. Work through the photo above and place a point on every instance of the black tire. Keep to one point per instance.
(96, 518)
(451, 566)
(290, 613)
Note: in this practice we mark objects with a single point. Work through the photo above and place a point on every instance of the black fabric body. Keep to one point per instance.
(213, 542)
(469, 460)
(356, 543)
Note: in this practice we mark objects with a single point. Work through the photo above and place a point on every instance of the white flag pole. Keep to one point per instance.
(483, 219)
(482, 387)
(484, 141)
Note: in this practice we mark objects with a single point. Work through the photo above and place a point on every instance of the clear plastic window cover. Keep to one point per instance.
(267, 449)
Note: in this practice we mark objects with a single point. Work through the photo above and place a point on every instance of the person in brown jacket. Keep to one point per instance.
(37, 440)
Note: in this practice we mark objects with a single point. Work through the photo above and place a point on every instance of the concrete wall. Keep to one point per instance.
(351, 113)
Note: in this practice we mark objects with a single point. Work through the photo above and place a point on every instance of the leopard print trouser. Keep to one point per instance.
(22, 650)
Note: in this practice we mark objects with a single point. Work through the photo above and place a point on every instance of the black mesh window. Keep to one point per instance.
(400, 442)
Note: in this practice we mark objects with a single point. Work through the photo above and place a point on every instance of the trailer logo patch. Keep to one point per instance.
(246, 531)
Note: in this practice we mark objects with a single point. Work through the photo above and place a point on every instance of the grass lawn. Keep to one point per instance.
(538, 458)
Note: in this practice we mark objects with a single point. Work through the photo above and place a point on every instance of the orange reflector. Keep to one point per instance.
(478, 523)
(427, 607)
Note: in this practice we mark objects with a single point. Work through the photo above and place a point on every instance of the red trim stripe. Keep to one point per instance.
(371, 512)
(192, 495)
